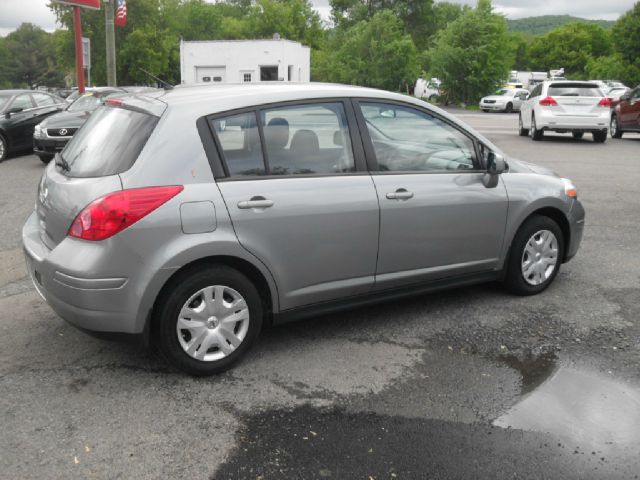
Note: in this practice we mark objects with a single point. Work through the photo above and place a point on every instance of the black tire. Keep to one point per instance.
(45, 158)
(523, 132)
(4, 148)
(180, 290)
(600, 137)
(514, 279)
(616, 131)
(536, 135)
(485, 111)
(577, 135)
(509, 108)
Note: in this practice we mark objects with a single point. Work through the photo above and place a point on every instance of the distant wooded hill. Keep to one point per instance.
(546, 23)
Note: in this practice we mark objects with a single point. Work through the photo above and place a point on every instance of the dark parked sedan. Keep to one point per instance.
(53, 134)
(20, 112)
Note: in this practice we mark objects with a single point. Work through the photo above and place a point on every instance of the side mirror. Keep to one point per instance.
(625, 97)
(12, 110)
(387, 113)
(495, 166)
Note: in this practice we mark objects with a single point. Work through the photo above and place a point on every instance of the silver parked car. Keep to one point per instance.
(504, 100)
(194, 217)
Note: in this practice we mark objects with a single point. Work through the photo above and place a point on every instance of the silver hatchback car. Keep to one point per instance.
(191, 218)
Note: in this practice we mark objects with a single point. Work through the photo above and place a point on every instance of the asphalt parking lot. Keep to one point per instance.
(470, 383)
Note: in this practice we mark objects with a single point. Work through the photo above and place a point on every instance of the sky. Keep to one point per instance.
(15, 12)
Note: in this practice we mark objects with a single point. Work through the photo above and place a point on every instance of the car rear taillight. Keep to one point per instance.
(108, 215)
(548, 102)
(605, 102)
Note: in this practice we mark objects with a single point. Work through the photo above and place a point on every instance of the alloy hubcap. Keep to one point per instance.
(540, 257)
(213, 323)
(2, 147)
(614, 126)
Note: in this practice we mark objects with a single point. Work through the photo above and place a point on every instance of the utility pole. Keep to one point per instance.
(111, 43)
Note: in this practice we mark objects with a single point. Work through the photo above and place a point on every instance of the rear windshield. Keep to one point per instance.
(574, 90)
(86, 103)
(108, 143)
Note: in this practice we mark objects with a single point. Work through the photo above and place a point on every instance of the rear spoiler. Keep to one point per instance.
(137, 102)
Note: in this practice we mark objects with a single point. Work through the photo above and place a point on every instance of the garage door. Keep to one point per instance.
(210, 74)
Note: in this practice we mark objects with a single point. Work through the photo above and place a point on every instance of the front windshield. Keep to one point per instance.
(3, 100)
(86, 103)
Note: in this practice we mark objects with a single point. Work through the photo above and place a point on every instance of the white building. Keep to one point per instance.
(238, 61)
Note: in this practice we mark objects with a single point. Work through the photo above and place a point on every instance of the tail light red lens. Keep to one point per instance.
(108, 215)
(605, 102)
(548, 102)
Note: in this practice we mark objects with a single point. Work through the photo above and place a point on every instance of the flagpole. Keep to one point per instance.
(77, 30)
(111, 43)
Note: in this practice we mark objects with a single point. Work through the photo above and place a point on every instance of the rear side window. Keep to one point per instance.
(240, 141)
(108, 143)
(44, 100)
(574, 90)
(307, 139)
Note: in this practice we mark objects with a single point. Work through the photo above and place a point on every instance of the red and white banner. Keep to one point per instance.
(93, 4)
(121, 13)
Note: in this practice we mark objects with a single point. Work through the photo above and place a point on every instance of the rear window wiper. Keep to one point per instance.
(62, 163)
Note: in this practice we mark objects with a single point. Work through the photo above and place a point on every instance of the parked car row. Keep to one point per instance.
(566, 106)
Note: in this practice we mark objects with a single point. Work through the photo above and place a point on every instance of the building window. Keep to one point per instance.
(290, 73)
(247, 77)
(206, 79)
(217, 79)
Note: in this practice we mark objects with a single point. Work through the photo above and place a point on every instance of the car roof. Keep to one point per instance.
(219, 98)
(17, 91)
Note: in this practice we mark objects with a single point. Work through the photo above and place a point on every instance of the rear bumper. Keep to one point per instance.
(102, 304)
(48, 146)
(547, 120)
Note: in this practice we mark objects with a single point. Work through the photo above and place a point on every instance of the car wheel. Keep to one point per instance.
(4, 148)
(536, 134)
(523, 132)
(509, 108)
(577, 135)
(600, 137)
(209, 320)
(615, 127)
(535, 256)
(485, 110)
(433, 98)
(45, 158)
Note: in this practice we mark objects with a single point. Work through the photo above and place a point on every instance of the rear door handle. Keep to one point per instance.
(400, 194)
(255, 202)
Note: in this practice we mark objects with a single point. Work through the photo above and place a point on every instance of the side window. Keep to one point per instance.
(22, 101)
(409, 140)
(635, 94)
(43, 100)
(307, 139)
(240, 141)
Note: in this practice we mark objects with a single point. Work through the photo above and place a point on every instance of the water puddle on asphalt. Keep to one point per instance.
(588, 411)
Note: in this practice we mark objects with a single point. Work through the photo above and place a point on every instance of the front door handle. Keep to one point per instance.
(255, 202)
(400, 194)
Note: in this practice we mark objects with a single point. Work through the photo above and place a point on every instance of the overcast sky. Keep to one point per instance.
(14, 12)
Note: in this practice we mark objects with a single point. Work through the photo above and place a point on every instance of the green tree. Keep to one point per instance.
(570, 47)
(626, 34)
(374, 53)
(29, 60)
(473, 55)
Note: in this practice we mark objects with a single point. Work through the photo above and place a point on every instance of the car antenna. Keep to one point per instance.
(166, 85)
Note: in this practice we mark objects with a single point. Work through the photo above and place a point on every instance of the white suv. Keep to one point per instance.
(563, 107)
